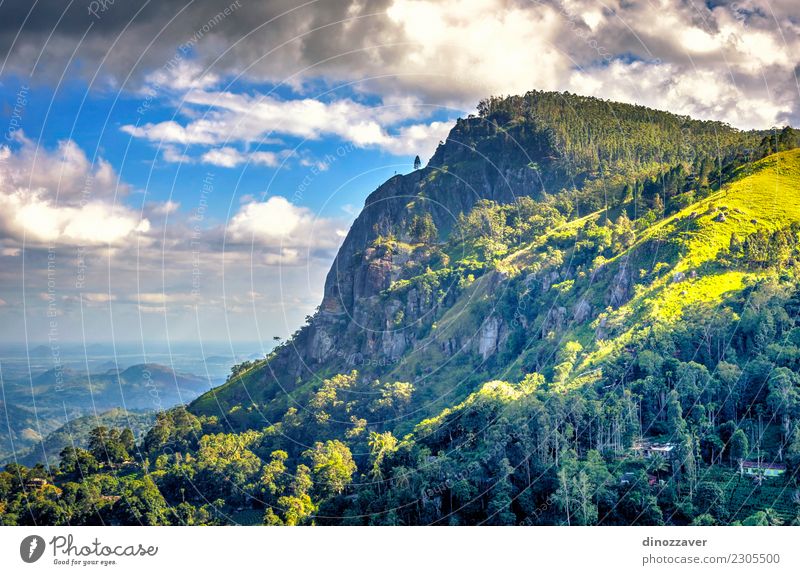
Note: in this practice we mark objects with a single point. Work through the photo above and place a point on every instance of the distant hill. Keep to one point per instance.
(38, 407)
(76, 433)
(19, 428)
(143, 386)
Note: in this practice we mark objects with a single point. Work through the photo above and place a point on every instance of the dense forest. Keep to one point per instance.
(604, 331)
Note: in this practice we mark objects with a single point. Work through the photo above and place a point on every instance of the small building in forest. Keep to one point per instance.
(648, 449)
(36, 483)
(761, 469)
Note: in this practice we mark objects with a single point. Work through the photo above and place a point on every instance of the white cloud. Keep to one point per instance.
(469, 47)
(163, 297)
(284, 231)
(145, 273)
(450, 52)
(173, 155)
(229, 157)
(700, 93)
(252, 119)
(225, 157)
(31, 217)
(64, 172)
(58, 196)
(184, 75)
(164, 208)
(420, 139)
(98, 298)
(729, 62)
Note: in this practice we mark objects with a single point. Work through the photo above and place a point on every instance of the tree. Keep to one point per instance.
(273, 475)
(765, 518)
(793, 451)
(226, 467)
(787, 139)
(77, 460)
(566, 356)
(141, 503)
(710, 499)
(499, 510)
(176, 428)
(106, 445)
(688, 463)
(657, 464)
(739, 446)
(297, 505)
(423, 229)
(704, 520)
(332, 466)
(675, 421)
(417, 163)
(127, 440)
(784, 399)
(380, 446)
(623, 234)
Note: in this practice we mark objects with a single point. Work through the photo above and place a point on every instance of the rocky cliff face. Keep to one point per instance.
(478, 161)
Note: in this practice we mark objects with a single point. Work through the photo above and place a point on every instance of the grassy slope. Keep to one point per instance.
(766, 196)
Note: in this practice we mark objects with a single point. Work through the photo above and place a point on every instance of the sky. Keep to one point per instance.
(185, 170)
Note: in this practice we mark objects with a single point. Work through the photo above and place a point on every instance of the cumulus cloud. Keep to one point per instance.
(419, 139)
(698, 93)
(65, 172)
(32, 217)
(98, 297)
(285, 233)
(442, 51)
(164, 208)
(58, 196)
(100, 255)
(430, 52)
(157, 298)
(183, 75)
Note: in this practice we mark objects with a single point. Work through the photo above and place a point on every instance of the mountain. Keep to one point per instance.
(572, 155)
(579, 312)
(544, 243)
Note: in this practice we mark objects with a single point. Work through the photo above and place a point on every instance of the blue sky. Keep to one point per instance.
(188, 172)
(94, 121)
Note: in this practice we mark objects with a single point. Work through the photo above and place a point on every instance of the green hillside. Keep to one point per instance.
(580, 312)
